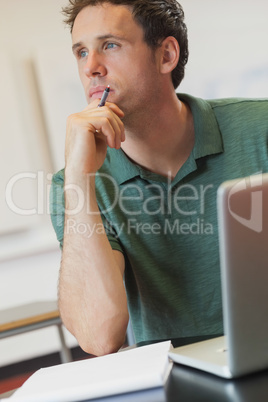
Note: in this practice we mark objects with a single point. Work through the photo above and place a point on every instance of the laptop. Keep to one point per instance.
(243, 240)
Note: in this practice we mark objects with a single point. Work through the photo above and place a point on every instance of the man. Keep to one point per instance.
(137, 198)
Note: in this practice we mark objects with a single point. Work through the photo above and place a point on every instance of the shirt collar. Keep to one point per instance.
(208, 141)
(121, 167)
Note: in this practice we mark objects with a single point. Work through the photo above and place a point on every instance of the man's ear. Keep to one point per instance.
(169, 55)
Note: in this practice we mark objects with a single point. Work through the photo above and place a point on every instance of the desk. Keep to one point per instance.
(186, 384)
(32, 316)
(189, 385)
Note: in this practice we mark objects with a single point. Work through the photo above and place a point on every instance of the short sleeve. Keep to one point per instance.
(112, 235)
(57, 211)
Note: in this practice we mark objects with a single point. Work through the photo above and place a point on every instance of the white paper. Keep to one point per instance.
(131, 370)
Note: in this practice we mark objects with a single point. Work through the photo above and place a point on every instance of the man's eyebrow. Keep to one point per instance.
(110, 36)
(75, 46)
(100, 37)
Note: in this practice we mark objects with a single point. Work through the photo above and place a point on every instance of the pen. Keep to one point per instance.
(104, 96)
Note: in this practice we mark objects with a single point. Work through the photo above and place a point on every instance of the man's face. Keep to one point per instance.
(110, 50)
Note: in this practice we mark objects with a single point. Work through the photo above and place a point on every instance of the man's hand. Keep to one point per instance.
(88, 134)
(91, 286)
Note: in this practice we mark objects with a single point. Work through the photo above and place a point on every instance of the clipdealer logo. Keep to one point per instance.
(255, 221)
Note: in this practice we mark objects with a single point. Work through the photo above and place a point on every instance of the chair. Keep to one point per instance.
(32, 316)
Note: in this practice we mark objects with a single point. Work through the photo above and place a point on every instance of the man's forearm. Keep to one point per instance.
(92, 296)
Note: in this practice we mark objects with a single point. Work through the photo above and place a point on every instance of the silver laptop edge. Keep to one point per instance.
(243, 239)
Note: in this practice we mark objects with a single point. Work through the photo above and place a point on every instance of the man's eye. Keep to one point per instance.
(82, 54)
(110, 45)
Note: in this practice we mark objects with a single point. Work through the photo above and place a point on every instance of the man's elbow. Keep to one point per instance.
(105, 339)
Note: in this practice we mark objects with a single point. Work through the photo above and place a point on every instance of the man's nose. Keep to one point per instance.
(94, 65)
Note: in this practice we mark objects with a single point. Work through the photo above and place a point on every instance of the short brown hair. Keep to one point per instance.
(158, 18)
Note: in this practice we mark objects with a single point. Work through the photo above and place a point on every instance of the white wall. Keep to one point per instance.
(39, 87)
(29, 253)
(228, 51)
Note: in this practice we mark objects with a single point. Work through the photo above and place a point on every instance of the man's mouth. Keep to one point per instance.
(96, 92)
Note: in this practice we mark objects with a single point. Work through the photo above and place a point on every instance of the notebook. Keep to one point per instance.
(243, 240)
(131, 370)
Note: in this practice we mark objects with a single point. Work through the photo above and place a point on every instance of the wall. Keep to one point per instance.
(228, 55)
(29, 253)
(40, 87)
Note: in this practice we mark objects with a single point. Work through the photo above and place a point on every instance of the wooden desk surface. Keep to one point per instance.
(27, 314)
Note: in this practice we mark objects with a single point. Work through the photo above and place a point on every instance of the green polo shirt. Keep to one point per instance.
(167, 230)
